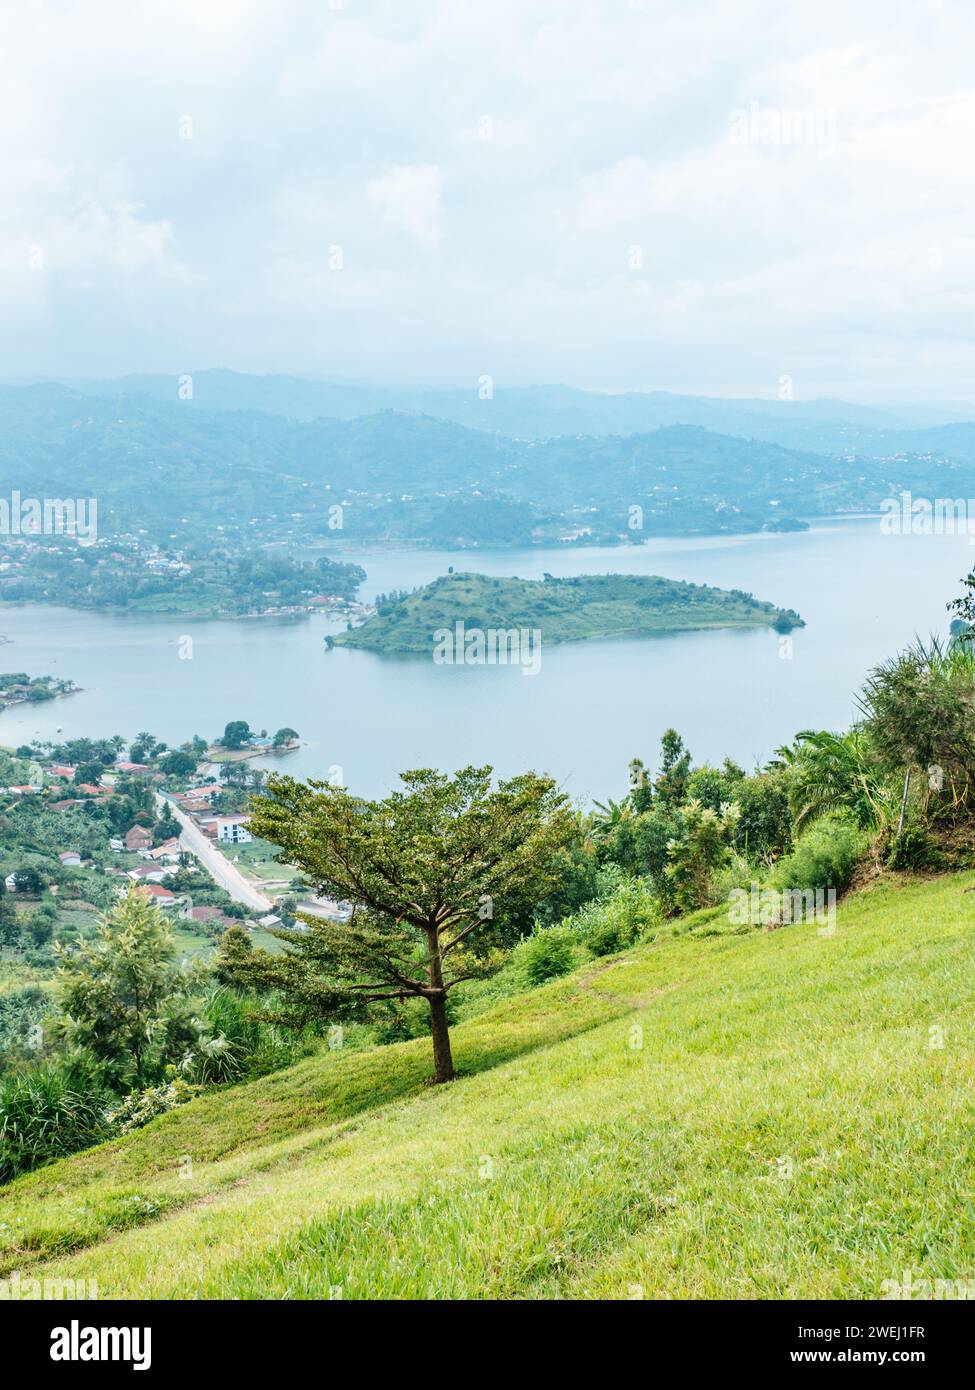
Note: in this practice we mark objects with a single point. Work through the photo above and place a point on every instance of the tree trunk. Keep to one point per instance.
(443, 1063)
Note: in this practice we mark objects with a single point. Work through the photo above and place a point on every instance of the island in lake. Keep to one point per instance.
(561, 610)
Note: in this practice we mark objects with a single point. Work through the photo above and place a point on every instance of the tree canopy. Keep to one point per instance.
(430, 872)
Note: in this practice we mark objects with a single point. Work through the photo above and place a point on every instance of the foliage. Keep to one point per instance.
(122, 995)
(695, 856)
(830, 772)
(49, 1111)
(431, 869)
(544, 956)
(920, 710)
(139, 1107)
(236, 734)
(624, 911)
(825, 855)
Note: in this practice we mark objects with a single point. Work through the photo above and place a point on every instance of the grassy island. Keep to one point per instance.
(563, 610)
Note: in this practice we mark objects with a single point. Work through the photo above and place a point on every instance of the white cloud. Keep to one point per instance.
(486, 170)
(408, 198)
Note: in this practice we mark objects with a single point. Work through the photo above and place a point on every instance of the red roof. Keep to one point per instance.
(153, 890)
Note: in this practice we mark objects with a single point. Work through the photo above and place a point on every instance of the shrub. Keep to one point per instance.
(546, 955)
(824, 857)
(697, 854)
(235, 1041)
(614, 921)
(49, 1112)
(914, 848)
(140, 1107)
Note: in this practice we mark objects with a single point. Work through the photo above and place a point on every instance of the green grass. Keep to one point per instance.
(713, 1115)
(255, 860)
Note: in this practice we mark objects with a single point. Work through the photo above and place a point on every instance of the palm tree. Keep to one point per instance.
(920, 711)
(835, 772)
(608, 817)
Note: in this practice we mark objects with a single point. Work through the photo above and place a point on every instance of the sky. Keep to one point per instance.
(732, 198)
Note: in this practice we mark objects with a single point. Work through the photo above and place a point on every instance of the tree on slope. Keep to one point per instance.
(431, 871)
(124, 996)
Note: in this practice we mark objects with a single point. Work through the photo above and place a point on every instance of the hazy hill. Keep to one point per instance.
(538, 412)
(172, 469)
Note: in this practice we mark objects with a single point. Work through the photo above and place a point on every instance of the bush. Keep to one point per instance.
(615, 921)
(140, 1107)
(914, 848)
(546, 955)
(824, 857)
(237, 1042)
(49, 1112)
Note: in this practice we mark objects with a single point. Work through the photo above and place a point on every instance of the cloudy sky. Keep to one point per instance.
(692, 195)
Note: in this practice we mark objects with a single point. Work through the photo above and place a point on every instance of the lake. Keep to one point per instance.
(592, 707)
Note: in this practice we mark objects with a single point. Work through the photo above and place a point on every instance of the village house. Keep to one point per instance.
(212, 916)
(168, 852)
(149, 873)
(70, 856)
(139, 837)
(202, 793)
(161, 897)
(233, 829)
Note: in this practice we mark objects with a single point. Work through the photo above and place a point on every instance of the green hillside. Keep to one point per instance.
(562, 610)
(718, 1113)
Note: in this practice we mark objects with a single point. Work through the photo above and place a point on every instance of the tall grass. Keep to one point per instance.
(48, 1112)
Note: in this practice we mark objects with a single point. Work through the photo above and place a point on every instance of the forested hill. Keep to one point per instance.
(561, 610)
(174, 472)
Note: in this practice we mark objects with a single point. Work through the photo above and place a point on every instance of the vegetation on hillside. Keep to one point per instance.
(485, 919)
(409, 477)
(712, 1115)
(201, 579)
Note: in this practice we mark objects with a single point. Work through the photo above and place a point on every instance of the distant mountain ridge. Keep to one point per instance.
(540, 412)
(175, 471)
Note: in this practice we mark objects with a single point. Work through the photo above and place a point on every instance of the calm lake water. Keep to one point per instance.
(594, 705)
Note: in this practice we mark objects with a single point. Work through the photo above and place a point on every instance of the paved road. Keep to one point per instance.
(219, 867)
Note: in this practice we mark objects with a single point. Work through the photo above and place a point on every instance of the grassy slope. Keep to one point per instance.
(784, 1129)
(565, 610)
